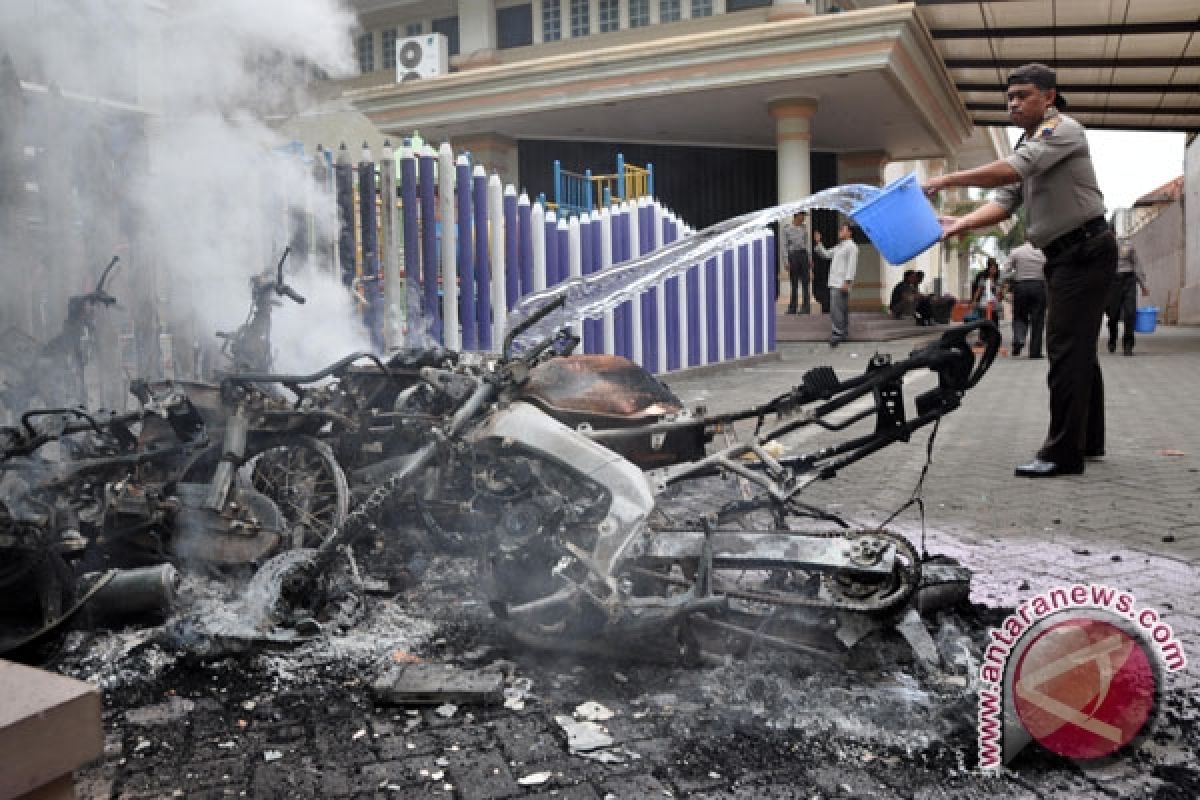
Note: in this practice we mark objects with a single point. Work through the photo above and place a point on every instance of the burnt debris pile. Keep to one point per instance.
(601, 516)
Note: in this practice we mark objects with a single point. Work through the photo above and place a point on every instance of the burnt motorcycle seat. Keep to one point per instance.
(604, 385)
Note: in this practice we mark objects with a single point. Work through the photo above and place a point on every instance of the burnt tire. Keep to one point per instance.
(304, 479)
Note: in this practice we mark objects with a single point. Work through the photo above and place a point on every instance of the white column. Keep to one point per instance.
(793, 146)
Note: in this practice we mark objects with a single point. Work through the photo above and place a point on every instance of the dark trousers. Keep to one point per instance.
(1029, 315)
(799, 273)
(820, 278)
(1122, 307)
(1077, 283)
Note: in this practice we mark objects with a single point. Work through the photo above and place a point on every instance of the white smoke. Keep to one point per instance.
(207, 200)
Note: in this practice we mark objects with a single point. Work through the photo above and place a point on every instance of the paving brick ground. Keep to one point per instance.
(1132, 522)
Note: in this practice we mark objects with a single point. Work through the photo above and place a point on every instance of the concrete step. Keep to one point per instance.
(864, 327)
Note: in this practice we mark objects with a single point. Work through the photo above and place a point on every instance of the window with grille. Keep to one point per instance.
(365, 45)
(639, 13)
(413, 29)
(551, 21)
(702, 8)
(580, 23)
(389, 49)
(668, 10)
(610, 15)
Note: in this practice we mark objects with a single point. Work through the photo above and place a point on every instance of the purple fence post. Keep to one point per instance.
(743, 299)
(465, 254)
(483, 283)
(620, 248)
(728, 268)
(756, 297)
(712, 275)
(512, 265)
(563, 239)
(343, 179)
(429, 245)
(412, 252)
(368, 220)
(771, 316)
(692, 312)
(524, 246)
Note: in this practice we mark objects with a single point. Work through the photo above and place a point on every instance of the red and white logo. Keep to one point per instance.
(1084, 688)
(1078, 670)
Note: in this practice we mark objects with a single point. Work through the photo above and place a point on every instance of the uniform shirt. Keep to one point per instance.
(795, 237)
(1024, 263)
(1058, 183)
(845, 262)
(1127, 261)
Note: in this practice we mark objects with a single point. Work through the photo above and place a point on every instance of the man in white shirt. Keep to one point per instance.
(844, 258)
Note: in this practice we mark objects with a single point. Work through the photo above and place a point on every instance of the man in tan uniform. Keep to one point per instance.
(1051, 172)
(1122, 295)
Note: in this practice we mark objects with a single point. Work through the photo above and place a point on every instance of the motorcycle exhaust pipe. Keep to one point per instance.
(132, 592)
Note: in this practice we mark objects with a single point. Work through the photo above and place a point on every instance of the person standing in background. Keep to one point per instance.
(1122, 296)
(1024, 268)
(842, 268)
(799, 262)
(1050, 171)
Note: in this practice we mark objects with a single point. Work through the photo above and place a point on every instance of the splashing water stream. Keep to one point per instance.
(589, 296)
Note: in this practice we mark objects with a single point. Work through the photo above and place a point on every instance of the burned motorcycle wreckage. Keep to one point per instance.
(97, 508)
(567, 476)
(52, 374)
(558, 471)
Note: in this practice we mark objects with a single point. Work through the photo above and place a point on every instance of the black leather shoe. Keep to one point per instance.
(1046, 469)
(1036, 355)
(1128, 351)
(1016, 350)
(1112, 345)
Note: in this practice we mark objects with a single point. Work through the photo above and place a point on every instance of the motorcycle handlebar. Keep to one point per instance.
(288, 291)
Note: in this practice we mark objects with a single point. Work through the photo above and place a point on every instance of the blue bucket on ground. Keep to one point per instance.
(1146, 319)
(899, 220)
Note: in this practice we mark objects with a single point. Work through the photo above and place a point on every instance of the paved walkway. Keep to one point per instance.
(1132, 521)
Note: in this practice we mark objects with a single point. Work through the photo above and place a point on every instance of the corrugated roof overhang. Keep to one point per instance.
(1122, 64)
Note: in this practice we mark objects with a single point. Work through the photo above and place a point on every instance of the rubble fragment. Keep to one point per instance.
(438, 684)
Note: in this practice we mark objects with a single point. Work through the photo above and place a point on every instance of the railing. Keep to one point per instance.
(456, 283)
(582, 193)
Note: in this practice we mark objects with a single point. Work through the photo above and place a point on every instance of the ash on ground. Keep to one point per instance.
(190, 714)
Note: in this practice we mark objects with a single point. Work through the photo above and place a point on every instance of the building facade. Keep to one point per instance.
(739, 104)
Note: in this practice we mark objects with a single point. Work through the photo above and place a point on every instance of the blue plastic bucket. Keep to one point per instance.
(899, 220)
(1146, 319)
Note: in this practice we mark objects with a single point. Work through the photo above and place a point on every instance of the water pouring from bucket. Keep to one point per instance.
(898, 219)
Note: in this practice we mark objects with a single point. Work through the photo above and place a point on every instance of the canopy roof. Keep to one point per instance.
(1122, 64)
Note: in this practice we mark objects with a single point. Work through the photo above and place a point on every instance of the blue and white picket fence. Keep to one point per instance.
(502, 248)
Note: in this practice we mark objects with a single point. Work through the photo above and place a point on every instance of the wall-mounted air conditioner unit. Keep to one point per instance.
(423, 56)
